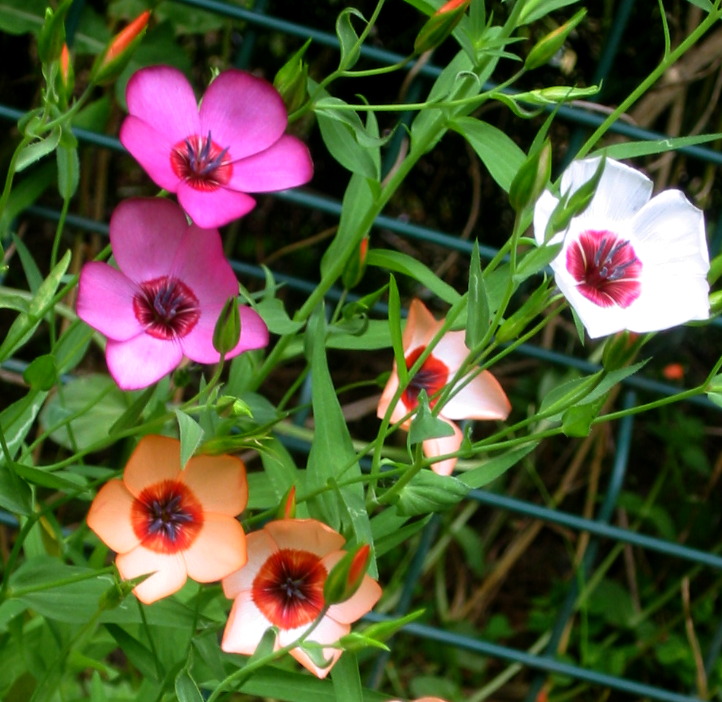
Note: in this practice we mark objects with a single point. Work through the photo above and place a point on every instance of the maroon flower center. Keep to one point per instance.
(167, 517)
(201, 163)
(288, 588)
(432, 376)
(166, 307)
(605, 268)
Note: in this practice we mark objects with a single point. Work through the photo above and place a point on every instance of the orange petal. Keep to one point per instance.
(169, 572)
(219, 483)
(387, 395)
(443, 445)
(328, 631)
(360, 603)
(305, 535)
(482, 398)
(245, 626)
(219, 549)
(259, 546)
(154, 459)
(109, 517)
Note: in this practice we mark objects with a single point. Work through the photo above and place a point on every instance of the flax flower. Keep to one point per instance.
(165, 300)
(213, 155)
(628, 261)
(481, 398)
(282, 586)
(170, 522)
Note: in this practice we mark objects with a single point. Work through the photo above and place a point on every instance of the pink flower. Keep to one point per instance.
(164, 301)
(170, 522)
(282, 586)
(212, 155)
(481, 398)
(628, 261)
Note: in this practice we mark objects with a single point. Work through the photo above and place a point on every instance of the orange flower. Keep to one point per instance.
(282, 586)
(481, 398)
(170, 522)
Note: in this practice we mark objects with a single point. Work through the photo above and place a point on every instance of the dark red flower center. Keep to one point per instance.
(166, 307)
(167, 517)
(288, 588)
(605, 268)
(201, 163)
(432, 376)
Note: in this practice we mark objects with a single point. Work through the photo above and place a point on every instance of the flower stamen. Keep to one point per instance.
(201, 163)
(166, 307)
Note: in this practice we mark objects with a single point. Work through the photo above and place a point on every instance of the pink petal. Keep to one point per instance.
(242, 112)
(481, 398)
(360, 603)
(245, 627)
(105, 301)
(327, 632)
(145, 234)
(152, 149)
(155, 459)
(169, 573)
(392, 385)
(140, 362)
(285, 164)
(305, 535)
(452, 351)
(109, 517)
(420, 328)
(259, 547)
(209, 209)
(441, 446)
(219, 483)
(163, 97)
(198, 344)
(219, 549)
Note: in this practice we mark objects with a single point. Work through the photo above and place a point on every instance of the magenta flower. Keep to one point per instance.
(166, 298)
(212, 155)
(628, 261)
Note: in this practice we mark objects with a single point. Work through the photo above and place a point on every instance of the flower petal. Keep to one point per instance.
(151, 149)
(305, 535)
(259, 546)
(169, 572)
(109, 517)
(218, 550)
(481, 398)
(243, 113)
(285, 164)
(145, 234)
(218, 482)
(155, 459)
(443, 445)
(141, 361)
(328, 631)
(245, 626)
(420, 327)
(161, 95)
(214, 208)
(360, 603)
(105, 301)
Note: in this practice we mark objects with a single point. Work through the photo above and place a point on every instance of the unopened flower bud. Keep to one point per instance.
(347, 575)
(111, 62)
(440, 25)
(227, 331)
(531, 178)
(52, 33)
(67, 74)
(287, 508)
(291, 80)
(356, 265)
(547, 47)
(620, 349)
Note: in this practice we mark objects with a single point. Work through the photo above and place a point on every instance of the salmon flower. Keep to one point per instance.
(282, 586)
(628, 261)
(164, 302)
(213, 155)
(174, 523)
(480, 398)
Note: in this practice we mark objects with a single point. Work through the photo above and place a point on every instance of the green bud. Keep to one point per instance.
(291, 80)
(531, 179)
(356, 265)
(347, 575)
(227, 331)
(547, 47)
(620, 349)
(514, 326)
(287, 508)
(52, 33)
(440, 25)
(111, 62)
(715, 303)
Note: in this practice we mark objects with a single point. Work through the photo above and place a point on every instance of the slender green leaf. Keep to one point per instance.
(347, 679)
(634, 149)
(478, 314)
(492, 468)
(429, 492)
(348, 38)
(191, 435)
(185, 687)
(34, 151)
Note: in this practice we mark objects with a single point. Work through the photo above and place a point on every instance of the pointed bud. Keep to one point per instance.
(109, 64)
(52, 34)
(291, 80)
(227, 331)
(440, 25)
(531, 178)
(356, 265)
(67, 74)
(545, 49)
(287, 508)
(347, 575)
(620, 349)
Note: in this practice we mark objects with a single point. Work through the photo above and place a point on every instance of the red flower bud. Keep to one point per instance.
(347, 575)
(113, 60)
(440, 25)
(287, 509)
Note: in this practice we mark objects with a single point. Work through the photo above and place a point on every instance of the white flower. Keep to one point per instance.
(628, 261)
